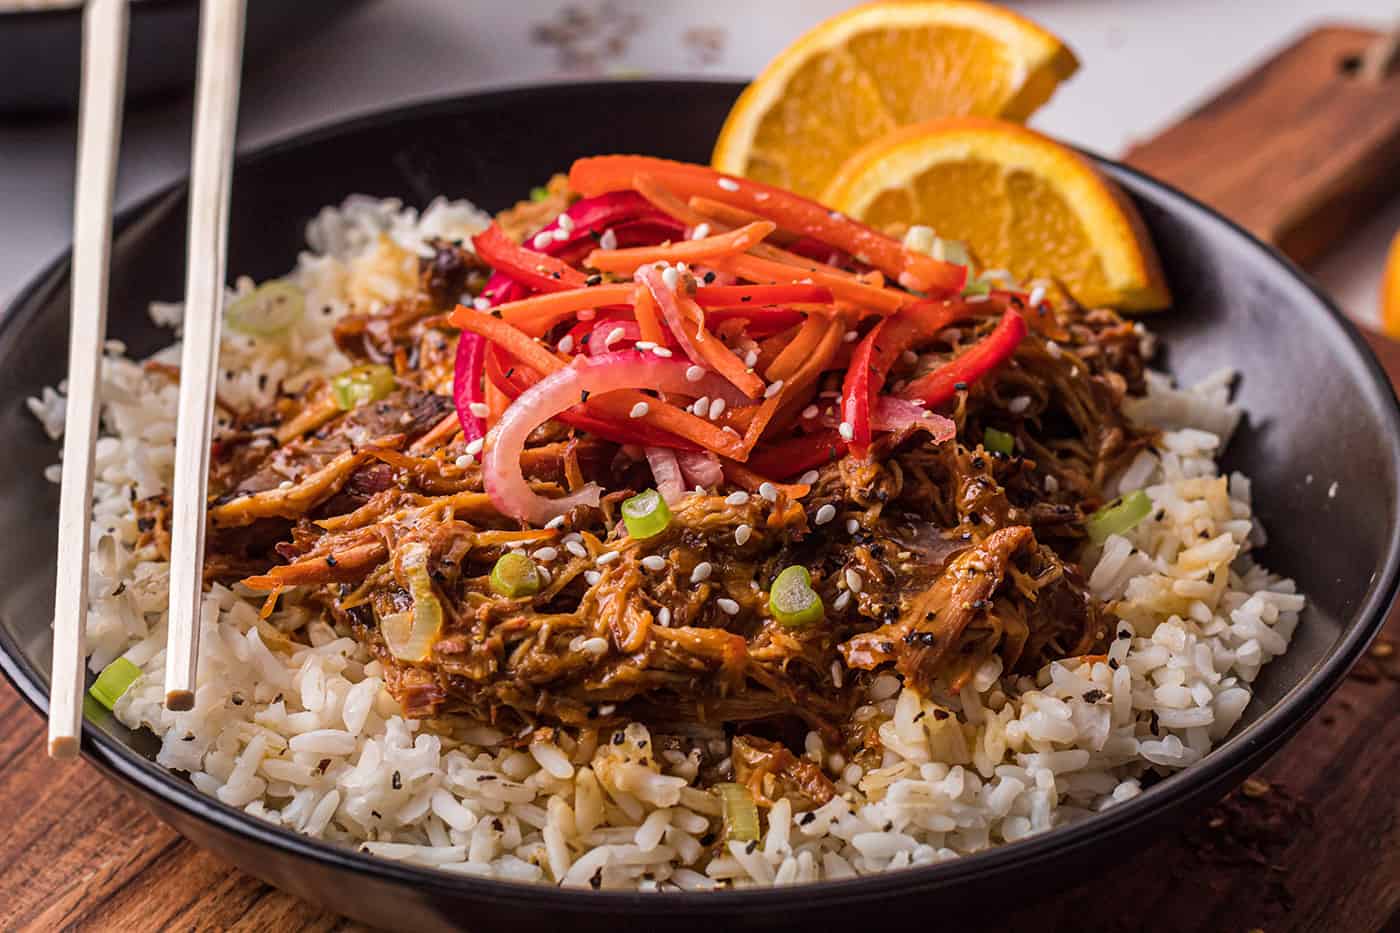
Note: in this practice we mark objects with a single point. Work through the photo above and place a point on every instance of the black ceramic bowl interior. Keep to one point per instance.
(1321, 413)
(41, 49)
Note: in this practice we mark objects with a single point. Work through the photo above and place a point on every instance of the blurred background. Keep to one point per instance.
(1144, 66)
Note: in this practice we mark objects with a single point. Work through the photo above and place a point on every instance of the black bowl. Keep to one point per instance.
(41, 50)
(1322, 444)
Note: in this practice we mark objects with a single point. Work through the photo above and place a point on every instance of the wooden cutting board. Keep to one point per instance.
(1299, 150)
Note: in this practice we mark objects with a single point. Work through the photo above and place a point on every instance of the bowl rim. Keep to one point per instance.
(1242, 750)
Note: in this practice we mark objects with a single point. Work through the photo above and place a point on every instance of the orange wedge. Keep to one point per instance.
(1020, 201)
(1390, 291)
(876, 68)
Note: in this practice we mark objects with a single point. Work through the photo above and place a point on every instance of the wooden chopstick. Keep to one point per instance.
(216, 116)
(99, 135)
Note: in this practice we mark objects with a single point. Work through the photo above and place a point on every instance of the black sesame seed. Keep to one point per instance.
(397, 781)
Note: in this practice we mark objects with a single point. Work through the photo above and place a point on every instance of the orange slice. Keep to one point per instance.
(1021, 202)
(1390, 291)
(876, 68)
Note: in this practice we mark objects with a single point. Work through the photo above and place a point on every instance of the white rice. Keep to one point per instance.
(306, 737)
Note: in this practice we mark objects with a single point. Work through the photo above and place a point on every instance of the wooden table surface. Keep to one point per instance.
(1311, 843)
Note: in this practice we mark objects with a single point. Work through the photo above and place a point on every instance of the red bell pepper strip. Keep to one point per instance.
(538, 271)
(877, 352)
(785, 458)
(962, 371)
(791, 212)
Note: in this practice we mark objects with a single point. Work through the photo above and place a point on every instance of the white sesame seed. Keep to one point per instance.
(566, 343)
(565, 223)
(543, 239)
(645, 345)
(1051, 484)
(663, 617)
(1037, 296)
(811, 411)
(728, 606)
(836, 672)
(555, 522)
(1053, 348)
(701, 572)
(592, 576)
(729, 184)
(654, 562)
(768, 491)
(475, 446)
(852, 526)
(480, 409)
(851, 336)
(716, 408)
(773, 389)
(825, 514)
(613, 336)
(736, 498)
(808, 478)
(846, 430)
(545, 576)
(1018, 404)
(285, 484)
(465, 461)
(545, 554)
(682, 267)
(481, 304)
(853, 580)
(639, 410)
(694, 374)
(608, 240)
(670, 278)
(575, 548)
(606, 558)
(662, 352)
(560, 235)
(751, 358)
(842, 600)
(595, 646)
(742, 534)
(700, 232)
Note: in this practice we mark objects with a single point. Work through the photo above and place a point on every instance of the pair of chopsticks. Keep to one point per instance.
(99, 131)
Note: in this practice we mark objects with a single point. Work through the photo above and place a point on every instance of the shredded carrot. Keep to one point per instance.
(620, 402)
(801, 380)
(441, 433)
(644, 307)
(538, 313)
(740, 475)
(732, 216)
(769, 349)
(513, 340)
(801, 346)
(757, 269)
(717, 355)
(496, 403)
(663, 200)
(707, 249)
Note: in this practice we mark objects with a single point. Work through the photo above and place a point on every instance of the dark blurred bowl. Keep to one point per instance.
(41, 50)
(1318, 408)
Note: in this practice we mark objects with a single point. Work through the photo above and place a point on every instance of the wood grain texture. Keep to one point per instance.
(1299, 150)
(79, 855)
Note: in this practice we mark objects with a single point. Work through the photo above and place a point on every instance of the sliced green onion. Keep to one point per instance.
(998, 442)
(411, 635)
(646, 514)
(1120, 515)
(740, 813)
(515, 575)
(116, 678)
(539, 193)
(362, 385)
(977, 287)
(267, 310)
(792, 600)
(954, 251)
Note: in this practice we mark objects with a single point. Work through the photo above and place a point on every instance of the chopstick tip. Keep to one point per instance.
(63, 747)
(179, 701)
